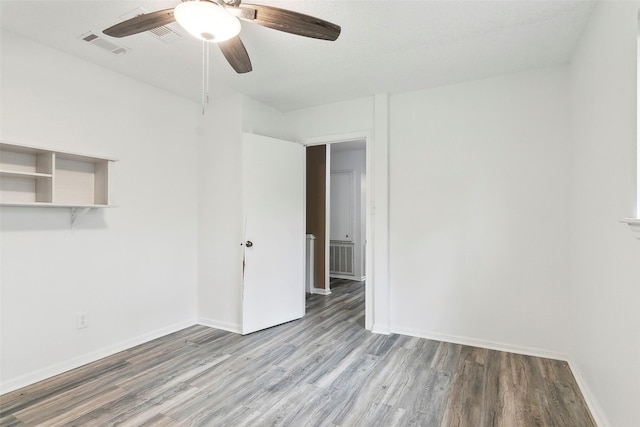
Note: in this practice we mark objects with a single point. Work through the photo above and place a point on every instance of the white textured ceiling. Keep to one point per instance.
(385, 46)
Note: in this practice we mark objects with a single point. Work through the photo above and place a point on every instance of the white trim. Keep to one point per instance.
(344, 276)
(594, 408)
(634, 225)
(327, 217)
(59, 368)
(491, 345)
(218, 324)
(637, 104)
(591, 402)
(381, 329)
(321, 291)
(380, 262)
(371, 220)
(336, 138)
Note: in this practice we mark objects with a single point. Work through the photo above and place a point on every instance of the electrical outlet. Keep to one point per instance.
(82, 320)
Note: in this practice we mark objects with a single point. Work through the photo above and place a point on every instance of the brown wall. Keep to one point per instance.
(316, 206)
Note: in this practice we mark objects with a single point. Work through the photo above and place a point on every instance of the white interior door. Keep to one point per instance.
(342, 201)
(273, 193)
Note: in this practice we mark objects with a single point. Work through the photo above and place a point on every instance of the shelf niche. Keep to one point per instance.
(31, 176)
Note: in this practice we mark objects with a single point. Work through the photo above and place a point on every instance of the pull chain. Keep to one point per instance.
(205, 75)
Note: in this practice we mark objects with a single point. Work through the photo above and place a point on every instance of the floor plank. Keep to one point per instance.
(322, 370)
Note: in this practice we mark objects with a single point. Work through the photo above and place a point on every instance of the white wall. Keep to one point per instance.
(220, 214)
(332, 119)
(133, 267)
(605, 291)
(220, 210)
(262, 119)
(354, 160)
(478, 220)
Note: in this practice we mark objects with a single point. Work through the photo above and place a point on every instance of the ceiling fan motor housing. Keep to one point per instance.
(207, 20)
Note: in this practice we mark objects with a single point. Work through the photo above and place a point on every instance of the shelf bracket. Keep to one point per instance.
(634, 225)
(75, 213)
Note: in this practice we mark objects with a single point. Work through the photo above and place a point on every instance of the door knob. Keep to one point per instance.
(249, 243)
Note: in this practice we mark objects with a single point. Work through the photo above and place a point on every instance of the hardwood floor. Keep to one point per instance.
(324, 370)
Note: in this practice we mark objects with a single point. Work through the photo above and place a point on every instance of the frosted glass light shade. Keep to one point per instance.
(206, 20)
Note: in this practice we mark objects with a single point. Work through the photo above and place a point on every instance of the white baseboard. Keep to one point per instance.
(321, 291)
(381, 329)
(527, 351)
(594, 408)
(344, 276)
(59, 368)
(218, 324)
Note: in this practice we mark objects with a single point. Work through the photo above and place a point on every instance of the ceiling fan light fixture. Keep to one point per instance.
(206, 20)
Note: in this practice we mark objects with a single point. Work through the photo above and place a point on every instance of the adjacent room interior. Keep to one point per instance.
(487, 153)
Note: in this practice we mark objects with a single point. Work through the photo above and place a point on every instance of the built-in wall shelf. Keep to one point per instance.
(32, 176)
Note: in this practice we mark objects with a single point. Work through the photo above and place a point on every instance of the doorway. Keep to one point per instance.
(337, 219)
(347, 219)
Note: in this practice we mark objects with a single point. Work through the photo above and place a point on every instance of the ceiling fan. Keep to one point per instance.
(217, 21)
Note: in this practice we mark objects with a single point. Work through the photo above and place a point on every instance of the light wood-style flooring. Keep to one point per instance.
(323, 370)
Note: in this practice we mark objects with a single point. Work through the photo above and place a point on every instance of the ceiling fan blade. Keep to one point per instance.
(141, 23)
(288, 21)
(235, 52)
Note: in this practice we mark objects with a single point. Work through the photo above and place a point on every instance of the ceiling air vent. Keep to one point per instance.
(103, 43)
(165, 34)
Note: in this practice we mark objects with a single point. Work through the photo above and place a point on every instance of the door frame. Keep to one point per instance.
(376, 302)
